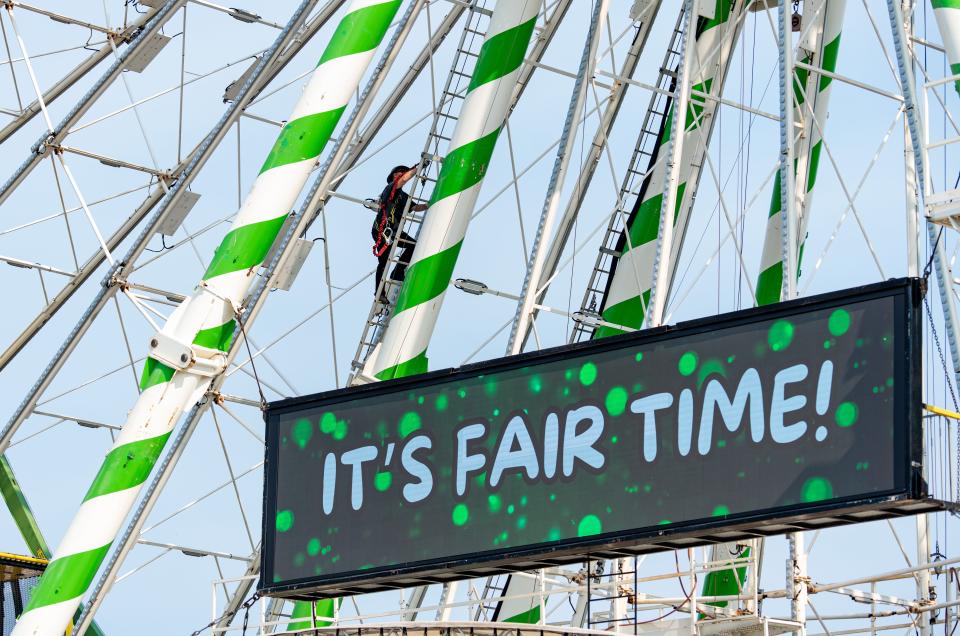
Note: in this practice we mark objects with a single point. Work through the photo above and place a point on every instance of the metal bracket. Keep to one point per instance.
(181, 356)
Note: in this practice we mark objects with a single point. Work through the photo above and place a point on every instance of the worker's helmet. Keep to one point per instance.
(395, 170)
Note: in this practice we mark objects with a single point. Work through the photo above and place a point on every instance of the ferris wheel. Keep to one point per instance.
(186, 208)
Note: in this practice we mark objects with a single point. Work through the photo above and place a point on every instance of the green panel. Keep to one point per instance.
(464, 167)
(427, 278)
(360, 31)
(301, 609)
(127, 466)
(154, 372)
(216, 337)
(769, 284)
(629, 313)
(67, 578)
(502, 54)
(829, 61)
(721, 15)
(530, 617)
(646, 225)
(302, 138)
(955, 69)
(414, 366)
(244, 247)
(945, 4)
(723, 582)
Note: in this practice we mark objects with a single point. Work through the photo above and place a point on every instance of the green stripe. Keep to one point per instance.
(629, 313)
(723, 582)
(414, 366)
(360, 31)
(67, 578)
(464, 167)
(945, 4)
(829, 61)
(502, 54)
(530, 617)
(154, 372)
(301, 609)
(216, 337)
(302, 138)
(814, 164)
(721, 14)
(646, 225)
(955, 70)
(769, 284)
(244, 247)
(127, 466)
(427, 278)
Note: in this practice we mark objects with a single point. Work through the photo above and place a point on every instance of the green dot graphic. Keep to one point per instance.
(589, 525)
(494, 503)
(554, 534)
(313, 547)
(328, 422)
(839, 322)
(460, 514)
(847, 414)
(780, 335)
(616, 401)
(442, 402)
(688, 363)
(638, 357)
(409, 423)
(284, 520)
(720, 511)
(588, 374)
(382, 481)
(536, 384)
(302, 432)
(816, 489)
(340, 430)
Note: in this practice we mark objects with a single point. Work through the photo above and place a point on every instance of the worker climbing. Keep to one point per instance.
(386, 227)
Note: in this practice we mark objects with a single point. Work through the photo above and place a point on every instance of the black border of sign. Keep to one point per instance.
(908, 293)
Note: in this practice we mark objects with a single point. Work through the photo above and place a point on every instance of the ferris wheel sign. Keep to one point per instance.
(798, 415)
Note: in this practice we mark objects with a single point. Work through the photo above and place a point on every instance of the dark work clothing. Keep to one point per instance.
(392, 208)
(404, 252)
(386, 227)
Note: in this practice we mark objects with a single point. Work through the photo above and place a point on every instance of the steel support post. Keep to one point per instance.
(296, 41)
(911, 190)
(67, 81)
(530, 294)
(52, 138)
(255, 303)
(944, 280)
(607, 120)
(797, 581)
(788, 190)
(661, 264)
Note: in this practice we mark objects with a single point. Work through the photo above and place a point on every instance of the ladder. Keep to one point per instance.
(494, 589)
(643, 159)
(445, 117)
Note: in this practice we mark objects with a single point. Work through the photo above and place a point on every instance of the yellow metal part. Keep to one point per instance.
(14, 567)
(939, 411)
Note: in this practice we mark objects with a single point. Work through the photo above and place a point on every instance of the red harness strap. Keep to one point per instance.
(382, 245)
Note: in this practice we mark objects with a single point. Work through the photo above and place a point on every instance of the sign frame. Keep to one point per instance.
(908, 497)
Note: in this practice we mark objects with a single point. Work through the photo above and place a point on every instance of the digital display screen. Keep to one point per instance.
(751, 415)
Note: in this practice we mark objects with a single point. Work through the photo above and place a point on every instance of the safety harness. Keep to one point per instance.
(384, 234)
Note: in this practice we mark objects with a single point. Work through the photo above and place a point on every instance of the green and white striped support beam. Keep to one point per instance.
(818, 49)
(206, 319)
(628, 290)
(947, 13)
(403, 351)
